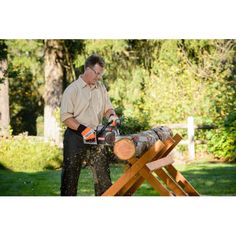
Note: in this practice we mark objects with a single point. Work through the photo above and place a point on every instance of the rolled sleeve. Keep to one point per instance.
(67, 106)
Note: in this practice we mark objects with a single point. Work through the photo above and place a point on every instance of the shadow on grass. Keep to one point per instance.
(42, 183)
(212, 179)
(3, 167)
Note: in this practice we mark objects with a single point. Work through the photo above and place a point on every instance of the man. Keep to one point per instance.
(84, 104)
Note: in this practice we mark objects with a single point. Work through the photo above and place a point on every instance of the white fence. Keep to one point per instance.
(190, 126)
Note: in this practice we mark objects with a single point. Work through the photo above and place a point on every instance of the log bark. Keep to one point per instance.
(132, 145)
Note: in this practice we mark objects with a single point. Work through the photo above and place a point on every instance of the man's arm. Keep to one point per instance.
(85, 131)
(71, 123)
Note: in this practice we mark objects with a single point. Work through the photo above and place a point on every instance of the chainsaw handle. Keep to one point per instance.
(103, 128)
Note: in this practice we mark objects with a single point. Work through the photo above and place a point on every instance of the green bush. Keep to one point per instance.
(223, 144)
(130, 125)
(223, 141)
(28, 154)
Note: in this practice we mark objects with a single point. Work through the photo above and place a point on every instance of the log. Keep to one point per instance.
(132, 145)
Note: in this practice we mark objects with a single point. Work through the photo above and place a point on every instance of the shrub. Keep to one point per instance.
(132, 125)
(223, 142)
(28, 154)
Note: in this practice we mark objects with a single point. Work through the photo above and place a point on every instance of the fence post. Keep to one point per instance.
(191, 148)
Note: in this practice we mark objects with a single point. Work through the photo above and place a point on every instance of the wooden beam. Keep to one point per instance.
(180, 179)
(134, 183)
(129, 190)
(170, 183)
(173, 141)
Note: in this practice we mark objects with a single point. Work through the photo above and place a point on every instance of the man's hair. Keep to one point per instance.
(93, 60)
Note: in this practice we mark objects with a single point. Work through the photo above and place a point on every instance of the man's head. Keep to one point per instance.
(94, 59)
(93, 69)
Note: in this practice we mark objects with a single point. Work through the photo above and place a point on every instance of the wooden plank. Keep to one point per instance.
(170, 144)
(181, 180)
(170, 183)
(133, 184)
(174, 141)
(155, 165)
(135, 168)
(131, 187)
(130, 190)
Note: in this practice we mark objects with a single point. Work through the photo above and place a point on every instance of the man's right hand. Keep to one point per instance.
(114, 120)
(86, 132)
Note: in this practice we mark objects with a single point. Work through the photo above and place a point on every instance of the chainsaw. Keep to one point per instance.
(105, 134)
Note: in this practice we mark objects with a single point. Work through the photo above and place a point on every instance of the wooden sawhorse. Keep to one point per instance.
(154, 165)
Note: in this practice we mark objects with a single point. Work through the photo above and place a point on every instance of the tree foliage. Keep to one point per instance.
(25, 72)
(149, 82)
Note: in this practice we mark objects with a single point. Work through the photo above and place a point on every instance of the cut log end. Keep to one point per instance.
(124, 149)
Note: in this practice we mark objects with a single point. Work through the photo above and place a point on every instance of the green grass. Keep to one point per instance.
(212, 179)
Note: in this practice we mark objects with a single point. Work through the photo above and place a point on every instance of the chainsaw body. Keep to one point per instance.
(105, 135)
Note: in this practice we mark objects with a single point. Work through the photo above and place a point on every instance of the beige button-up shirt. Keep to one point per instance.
(86, 104)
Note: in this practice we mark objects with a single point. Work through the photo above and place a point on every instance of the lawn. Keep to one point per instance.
(210, 179)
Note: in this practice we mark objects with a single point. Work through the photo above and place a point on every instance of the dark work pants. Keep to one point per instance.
(75, 152)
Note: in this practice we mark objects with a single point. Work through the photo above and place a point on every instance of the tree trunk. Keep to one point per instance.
(4, 99)
(132, 145)
(54, 74)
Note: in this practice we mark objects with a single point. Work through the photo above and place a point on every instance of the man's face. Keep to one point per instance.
(95, 73)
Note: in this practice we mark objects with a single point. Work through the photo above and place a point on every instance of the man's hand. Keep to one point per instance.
(114, 120)
(86, 132)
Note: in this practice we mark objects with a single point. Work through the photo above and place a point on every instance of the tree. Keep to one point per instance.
(59, 71)
(4, 91)
(54, 73)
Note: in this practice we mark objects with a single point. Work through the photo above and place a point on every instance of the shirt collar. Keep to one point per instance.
(83, 84)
